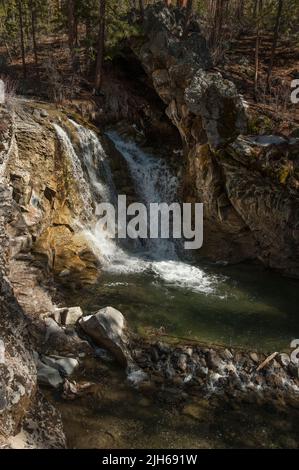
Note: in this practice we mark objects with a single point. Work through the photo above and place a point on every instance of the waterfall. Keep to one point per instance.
(95, 160)
(77, 170)
(154, 182)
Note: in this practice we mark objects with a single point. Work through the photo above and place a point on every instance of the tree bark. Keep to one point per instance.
(257, 46)
(20, 11)
(189, 11)
(141, 8)
(71, 31)
(33, 28)
(217, 23)
(101, 46)
(275, 40)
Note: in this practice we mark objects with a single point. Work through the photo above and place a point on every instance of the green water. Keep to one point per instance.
(249, 307)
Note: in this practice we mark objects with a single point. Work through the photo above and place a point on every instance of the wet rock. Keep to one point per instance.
(108, 329)
(182, 362)
(163, 348)
(214, 361)
(188, 351)
(136, 376)
(226, 355)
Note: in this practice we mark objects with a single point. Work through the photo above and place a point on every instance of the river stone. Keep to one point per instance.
(136, 376)
(108, 329)
(182, 362)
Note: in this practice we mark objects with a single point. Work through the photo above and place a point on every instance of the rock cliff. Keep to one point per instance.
(44, 203)
(249, 186)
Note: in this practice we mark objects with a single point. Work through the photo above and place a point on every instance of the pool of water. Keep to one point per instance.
(244, 305)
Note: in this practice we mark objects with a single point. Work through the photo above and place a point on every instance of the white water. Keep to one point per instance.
(77, 170)
(94, 158)
(154, 182)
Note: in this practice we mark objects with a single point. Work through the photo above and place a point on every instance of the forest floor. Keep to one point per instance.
(270, 111)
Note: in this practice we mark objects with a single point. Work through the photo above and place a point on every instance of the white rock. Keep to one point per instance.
(68, 364)
(107, 328)
(47, 375)
(64, 365)
(67, 316)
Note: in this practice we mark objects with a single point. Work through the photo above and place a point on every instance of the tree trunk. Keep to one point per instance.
(33, 29)
(275, 40)
(217, 23)
(101, 45)
(240, 10)
(141, 8)
(189, 11)
(20, 11)
(257, 47)
(71, 31)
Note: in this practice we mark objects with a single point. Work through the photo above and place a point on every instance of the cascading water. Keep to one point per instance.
(154, 182)
(77, 170)
(94, 158)
(150, 284)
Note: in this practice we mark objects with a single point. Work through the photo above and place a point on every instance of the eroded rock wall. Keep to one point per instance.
(249, 189)
(26, 419)
(43, 206)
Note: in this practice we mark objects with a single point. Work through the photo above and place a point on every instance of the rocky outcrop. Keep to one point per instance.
(52, 197)
(45, 201)
(21, 406)
(249, 189)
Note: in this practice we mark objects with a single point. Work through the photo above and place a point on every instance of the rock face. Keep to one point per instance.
(51, 197)
(21, 406)
(249, 189)
(107, 328)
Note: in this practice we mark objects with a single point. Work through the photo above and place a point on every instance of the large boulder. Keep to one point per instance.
(26, 418)
(108, 329)
(178, 62)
